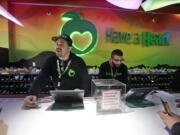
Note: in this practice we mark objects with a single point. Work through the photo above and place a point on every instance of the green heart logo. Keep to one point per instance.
(77, 26)
(81, 40)
(71, 73)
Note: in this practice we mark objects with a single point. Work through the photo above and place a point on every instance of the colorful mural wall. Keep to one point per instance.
(4, 42)
(145, 38)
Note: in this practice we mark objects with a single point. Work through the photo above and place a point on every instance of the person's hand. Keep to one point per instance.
(30, 101)
(3, 128)
(169, 119)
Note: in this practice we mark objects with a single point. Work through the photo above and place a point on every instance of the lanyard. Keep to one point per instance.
(60, 73)
(113, 75)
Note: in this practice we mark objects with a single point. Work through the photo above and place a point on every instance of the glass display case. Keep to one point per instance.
(109, 95)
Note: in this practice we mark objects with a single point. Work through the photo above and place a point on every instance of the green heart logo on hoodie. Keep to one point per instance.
(76, 25)
(71, 73)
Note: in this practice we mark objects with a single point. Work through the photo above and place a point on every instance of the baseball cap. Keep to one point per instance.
(63, 36)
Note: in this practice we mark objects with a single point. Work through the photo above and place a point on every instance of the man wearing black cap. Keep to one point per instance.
(65, 69)
(114, 68)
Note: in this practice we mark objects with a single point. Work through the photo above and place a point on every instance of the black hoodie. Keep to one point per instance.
(76, 75)
(121, 72)
(176, 129)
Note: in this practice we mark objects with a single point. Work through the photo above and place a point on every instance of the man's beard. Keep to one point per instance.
(61, 55)
(115, 65)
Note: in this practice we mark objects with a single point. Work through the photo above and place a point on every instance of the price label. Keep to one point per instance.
(111, 100)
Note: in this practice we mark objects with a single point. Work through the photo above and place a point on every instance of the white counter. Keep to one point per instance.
(143, 121)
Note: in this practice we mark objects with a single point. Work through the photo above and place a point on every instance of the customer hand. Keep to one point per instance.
(169, 119)
(30, 101)
(3, 128)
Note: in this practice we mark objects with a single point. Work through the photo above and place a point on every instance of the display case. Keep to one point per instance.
(109, 95)
(17, 85)
(162, 81)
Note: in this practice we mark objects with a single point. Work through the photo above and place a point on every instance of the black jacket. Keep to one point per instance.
(176, 81)
(121, 73)
(175, 129)
(76, 75)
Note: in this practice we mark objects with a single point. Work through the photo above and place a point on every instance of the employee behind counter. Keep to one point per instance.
(67, 71)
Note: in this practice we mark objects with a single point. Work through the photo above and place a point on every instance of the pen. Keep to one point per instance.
(166, 106)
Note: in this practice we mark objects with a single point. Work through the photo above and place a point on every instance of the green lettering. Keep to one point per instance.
(109, 34)
(146, 38)
(137, 38)
(128, 39)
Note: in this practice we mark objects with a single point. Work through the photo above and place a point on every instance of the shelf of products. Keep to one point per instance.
(16, 82)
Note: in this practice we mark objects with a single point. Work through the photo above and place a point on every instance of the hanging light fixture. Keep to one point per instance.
(150, 5)
(7, 15)
(127, 4)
